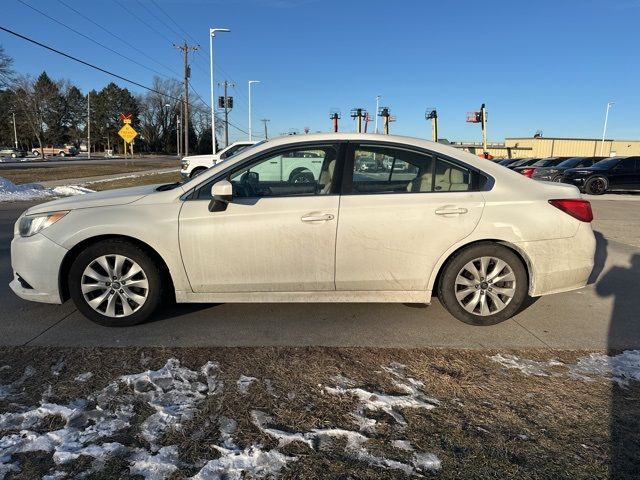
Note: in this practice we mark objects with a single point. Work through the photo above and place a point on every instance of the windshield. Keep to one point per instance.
(570, 162)
(605, 164)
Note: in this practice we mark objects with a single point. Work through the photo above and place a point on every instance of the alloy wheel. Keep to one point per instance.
(485, 286)
(114, 285)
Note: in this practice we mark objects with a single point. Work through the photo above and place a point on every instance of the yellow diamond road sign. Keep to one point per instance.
(127, 133)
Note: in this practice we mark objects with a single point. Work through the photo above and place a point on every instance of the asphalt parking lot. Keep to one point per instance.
(603, 315)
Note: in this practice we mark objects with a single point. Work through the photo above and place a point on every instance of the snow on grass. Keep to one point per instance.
(32, 191)
(12, 389)
(244, 383)
(621, 368)
(84, 377)
(172, 391)
(421, 462)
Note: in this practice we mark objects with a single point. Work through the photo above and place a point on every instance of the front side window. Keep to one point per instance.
(295, 172)
(394, 170)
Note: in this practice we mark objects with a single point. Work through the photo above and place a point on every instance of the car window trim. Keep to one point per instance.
(337, 172)
(347, 178)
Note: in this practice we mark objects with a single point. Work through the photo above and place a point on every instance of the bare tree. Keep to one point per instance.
(6, 72)
(158, 113)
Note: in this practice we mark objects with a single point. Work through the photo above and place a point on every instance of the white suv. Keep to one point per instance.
(196, 164)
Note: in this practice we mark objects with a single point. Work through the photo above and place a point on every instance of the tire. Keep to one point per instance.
(196, 171)
(13, 155)
(36, 153)
(301, 175)
(596, 186)
(557, 179)
(456, 280)
(62, 154)
(142, 302)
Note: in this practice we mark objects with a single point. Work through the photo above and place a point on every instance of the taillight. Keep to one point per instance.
(580, 209)
(527, 172)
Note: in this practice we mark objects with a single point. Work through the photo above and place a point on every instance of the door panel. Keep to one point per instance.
(393, 241)
(260, 245)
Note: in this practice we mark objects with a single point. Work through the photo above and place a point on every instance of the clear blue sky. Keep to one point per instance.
(543, 65)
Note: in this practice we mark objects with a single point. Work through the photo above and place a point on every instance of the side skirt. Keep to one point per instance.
(306, 297)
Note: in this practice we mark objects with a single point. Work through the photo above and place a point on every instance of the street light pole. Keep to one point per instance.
(250, 82)
(89, 125)
(212, 33)
(377, 108)
(15, 132)
(604, 132)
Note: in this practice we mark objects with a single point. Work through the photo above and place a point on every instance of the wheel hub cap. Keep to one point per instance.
(114, 285)
(485, 286)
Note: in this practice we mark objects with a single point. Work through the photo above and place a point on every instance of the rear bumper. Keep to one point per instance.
(37, 261)
(560, 265)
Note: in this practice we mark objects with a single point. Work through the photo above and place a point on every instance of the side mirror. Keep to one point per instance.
(222, 194)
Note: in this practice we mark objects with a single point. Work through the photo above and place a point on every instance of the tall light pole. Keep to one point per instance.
(604, 132)
(212, 33)
(250, 82)
(15, 132)
(377, 108)
(89, 124)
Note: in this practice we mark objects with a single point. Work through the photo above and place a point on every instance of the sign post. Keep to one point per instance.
(127, 133)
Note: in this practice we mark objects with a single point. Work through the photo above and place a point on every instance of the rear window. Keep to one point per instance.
(606, 164)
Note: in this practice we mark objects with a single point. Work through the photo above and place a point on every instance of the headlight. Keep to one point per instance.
(184, 165)
(31, 224)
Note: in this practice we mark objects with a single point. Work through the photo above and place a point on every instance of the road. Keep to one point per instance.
(600, 316)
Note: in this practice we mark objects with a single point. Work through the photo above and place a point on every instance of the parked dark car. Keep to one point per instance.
(12, 152)
(527, 170)
(508, 161)
(522, 163)
(554, 173)
(611, 174)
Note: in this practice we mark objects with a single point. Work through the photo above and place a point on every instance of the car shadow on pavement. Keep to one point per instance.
(600, 258)
(176, 310)
(624, 333)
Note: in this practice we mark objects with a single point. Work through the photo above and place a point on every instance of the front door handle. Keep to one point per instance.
(451, 211)
(317, 218)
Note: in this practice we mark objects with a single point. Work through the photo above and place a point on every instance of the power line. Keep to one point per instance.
(173, 21)
(91, 39)
(141, 20)
(159, 19)
(130, 45)
(95, 67)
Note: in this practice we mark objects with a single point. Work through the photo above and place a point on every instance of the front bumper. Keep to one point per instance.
(184, 174)
(37, 261)
(577, 181)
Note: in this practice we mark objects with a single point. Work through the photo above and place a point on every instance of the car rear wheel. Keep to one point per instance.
(115, 283)
(62, 154)
(557, 179)
(596, 186)
(483, 284)
(36, 153)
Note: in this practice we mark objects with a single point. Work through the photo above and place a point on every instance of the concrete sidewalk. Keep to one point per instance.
(105, 178)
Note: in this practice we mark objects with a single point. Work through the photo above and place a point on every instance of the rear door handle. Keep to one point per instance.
(451, 211)
(317, 218)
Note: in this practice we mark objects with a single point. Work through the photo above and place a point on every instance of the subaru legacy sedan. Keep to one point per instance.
(479, 236)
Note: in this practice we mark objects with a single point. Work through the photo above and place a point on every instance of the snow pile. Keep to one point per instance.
(421, 462)
(622, 368)
(171, 391)
(32, 191)
(235, 463)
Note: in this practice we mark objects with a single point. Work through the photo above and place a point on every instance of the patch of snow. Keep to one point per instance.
(154, 467)
(84, 377)
(33, 191)
(56, 369)
(622, 368)
(402, 445)
(244, 383)
(10, 390)
(252, 462)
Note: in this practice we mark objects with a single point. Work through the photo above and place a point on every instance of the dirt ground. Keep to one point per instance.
(334, 413)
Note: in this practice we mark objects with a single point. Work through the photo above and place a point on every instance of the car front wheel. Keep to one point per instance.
(484, 284)
(596, 186)
(115, 283)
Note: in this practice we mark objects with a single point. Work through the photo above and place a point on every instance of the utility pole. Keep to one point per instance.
(604, 132)
(377, 108)
(265, 120)
(358, 114)
(88, 124)
(226, 102)
(185, 48)
(15, 131)
(384, 113)
(432, 114)
(335, 116)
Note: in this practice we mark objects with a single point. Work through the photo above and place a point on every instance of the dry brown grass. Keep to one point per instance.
(136, 181)
(492, 423)
(64, 171)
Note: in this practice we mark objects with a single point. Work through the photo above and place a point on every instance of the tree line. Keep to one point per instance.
(54, 112)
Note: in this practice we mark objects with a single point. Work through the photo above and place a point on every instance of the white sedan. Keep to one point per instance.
(428, 220)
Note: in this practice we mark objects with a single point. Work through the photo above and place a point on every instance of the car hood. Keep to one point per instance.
(106, 198)
(201, 158)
